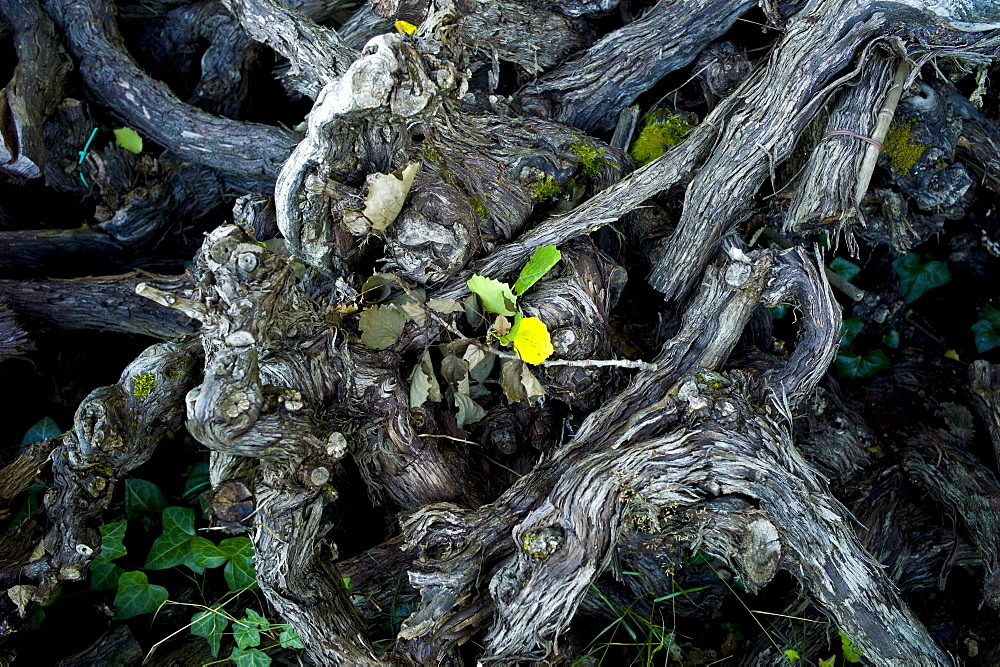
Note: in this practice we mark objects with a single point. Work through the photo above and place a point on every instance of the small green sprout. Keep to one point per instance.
(591, 159)
(547, 189)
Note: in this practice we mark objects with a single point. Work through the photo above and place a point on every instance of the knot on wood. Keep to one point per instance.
(543, 543)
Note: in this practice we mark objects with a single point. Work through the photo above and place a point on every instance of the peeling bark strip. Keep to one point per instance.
(774, 106)
(317, 54)
(832, 188)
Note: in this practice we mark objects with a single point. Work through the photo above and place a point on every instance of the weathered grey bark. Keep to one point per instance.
(589, 90)
(606, 207)
(282, 411)
(966, 487)
(117, 647)
(306, 590)
(495, 163)
(101, 304)
(317, 54)
(981, 143)
(34, 91)
(115, 429)
(14, 342)
(764, 117)
(223, 83)
(521, 33)
(688, 457)
(251, 149)
(760, 122)
(546, 538)
(834, 182)
(17, 476)
(141, 198)
(38, 251)
(984, 386)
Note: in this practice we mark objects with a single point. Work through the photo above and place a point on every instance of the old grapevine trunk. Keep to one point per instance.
(288, 360)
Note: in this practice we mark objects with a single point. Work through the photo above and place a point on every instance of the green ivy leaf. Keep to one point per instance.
(381, 326)
(104, 575)
(112, 546)
(495, 295)
(128, 139)
(206, 554)
(210, 625)
(854, 366)
(169, 550)
(29, 507)
(917, 277)
(176, 545)
(178, 520)
(246, 631)
(289, 637)
(791, 654)
(987, 335)
(142, 496)
(236, 545)
(137, 596)
(851, 654)
(987, 329)
(991, 315)
(249, 657)
(197, 479)
(844, 268)
(891, 339)
(239, 572)
(43, 429)
(35, 621)
(849, 329)
(541, 262)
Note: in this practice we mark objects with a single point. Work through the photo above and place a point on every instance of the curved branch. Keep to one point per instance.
(589, 90)
(251, 149)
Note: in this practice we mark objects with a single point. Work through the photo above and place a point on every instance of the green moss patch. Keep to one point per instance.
(657, 136)
(900, 148)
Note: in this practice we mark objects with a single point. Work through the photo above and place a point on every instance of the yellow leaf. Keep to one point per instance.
(533, 342)
(408, 28)
(951, 354)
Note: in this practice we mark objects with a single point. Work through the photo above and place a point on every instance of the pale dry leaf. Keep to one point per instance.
(501, 325)
(469, 412)
(533, 389)
(510, 380)
(387, 194)
(423, 385)
(415, 311)
(20, 595)
(445, 306)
